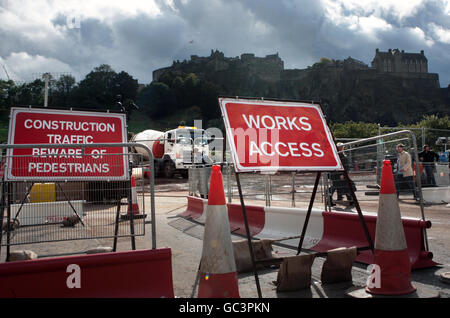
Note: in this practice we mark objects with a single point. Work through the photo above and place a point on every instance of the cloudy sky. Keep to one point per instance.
(138, 37)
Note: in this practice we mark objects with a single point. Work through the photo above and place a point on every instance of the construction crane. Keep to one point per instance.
(7, 75)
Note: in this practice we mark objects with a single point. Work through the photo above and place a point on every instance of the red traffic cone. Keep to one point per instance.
(134, 204)
(218, 276)
(391, 252)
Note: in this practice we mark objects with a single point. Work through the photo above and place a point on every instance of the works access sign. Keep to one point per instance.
(49, 126)
(271, 136)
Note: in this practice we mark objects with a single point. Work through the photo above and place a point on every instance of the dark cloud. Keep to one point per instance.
(94, 33)
(300, 31)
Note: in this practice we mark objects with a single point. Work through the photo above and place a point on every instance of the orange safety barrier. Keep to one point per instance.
(344, 229)
(141, 273)
(255, 218)
(194, 208)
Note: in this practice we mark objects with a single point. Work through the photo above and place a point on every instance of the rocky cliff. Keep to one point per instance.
(348, 89)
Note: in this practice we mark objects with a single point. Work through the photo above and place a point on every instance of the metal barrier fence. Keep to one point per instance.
(285, 186)
(424, 135)
(51, 209)
(364, 164)
(364, 158)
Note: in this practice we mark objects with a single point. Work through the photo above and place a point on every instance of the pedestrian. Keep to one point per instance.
(201, 172)
(339, 184)
(428, 158)
(201, 158)
(404, 175)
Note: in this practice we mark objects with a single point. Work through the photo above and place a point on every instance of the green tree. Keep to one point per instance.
(100, 88)
(180, 93)
(125, 85)
(157, 100)
(7, 90)
(29, 94)
(324, 60)
(351, 129)
(94, 91)
(434, 127)
(61, 91)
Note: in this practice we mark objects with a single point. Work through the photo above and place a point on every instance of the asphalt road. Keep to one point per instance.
(185, 240)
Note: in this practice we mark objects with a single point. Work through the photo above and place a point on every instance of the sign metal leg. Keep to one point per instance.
(308, 214)
(249, 239)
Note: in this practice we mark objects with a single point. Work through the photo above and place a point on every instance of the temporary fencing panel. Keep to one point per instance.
(73, 210)
(68, 176)
(58, 210)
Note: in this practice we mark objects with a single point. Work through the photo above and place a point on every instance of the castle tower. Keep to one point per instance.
(396, 61)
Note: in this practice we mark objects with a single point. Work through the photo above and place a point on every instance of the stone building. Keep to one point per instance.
(248, 70)
(269, 67)
(396, 61)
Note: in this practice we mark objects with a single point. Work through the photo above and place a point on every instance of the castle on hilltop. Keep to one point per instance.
(395, 61)
(216, 62)
(270, 69)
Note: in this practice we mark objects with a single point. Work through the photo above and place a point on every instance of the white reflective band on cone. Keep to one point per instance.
(217, 255)
(392, 238)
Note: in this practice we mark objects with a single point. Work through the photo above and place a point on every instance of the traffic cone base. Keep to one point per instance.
(134, 204)
(394, 280)
(218, 285)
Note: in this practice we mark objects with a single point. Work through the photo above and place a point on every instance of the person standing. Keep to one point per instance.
(201, 173)
(338, 180)
(405, 175)
(428, 157)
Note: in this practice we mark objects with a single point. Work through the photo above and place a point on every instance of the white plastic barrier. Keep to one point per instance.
(285, 222)
(282, 222)
(442, 175)
(46, 212)
(202, 219)
(436, 195)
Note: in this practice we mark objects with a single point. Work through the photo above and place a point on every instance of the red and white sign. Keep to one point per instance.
(270, 136)
(48, 126)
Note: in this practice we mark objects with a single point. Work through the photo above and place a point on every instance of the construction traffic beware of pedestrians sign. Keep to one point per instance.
(49, 126)
(269, 136)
